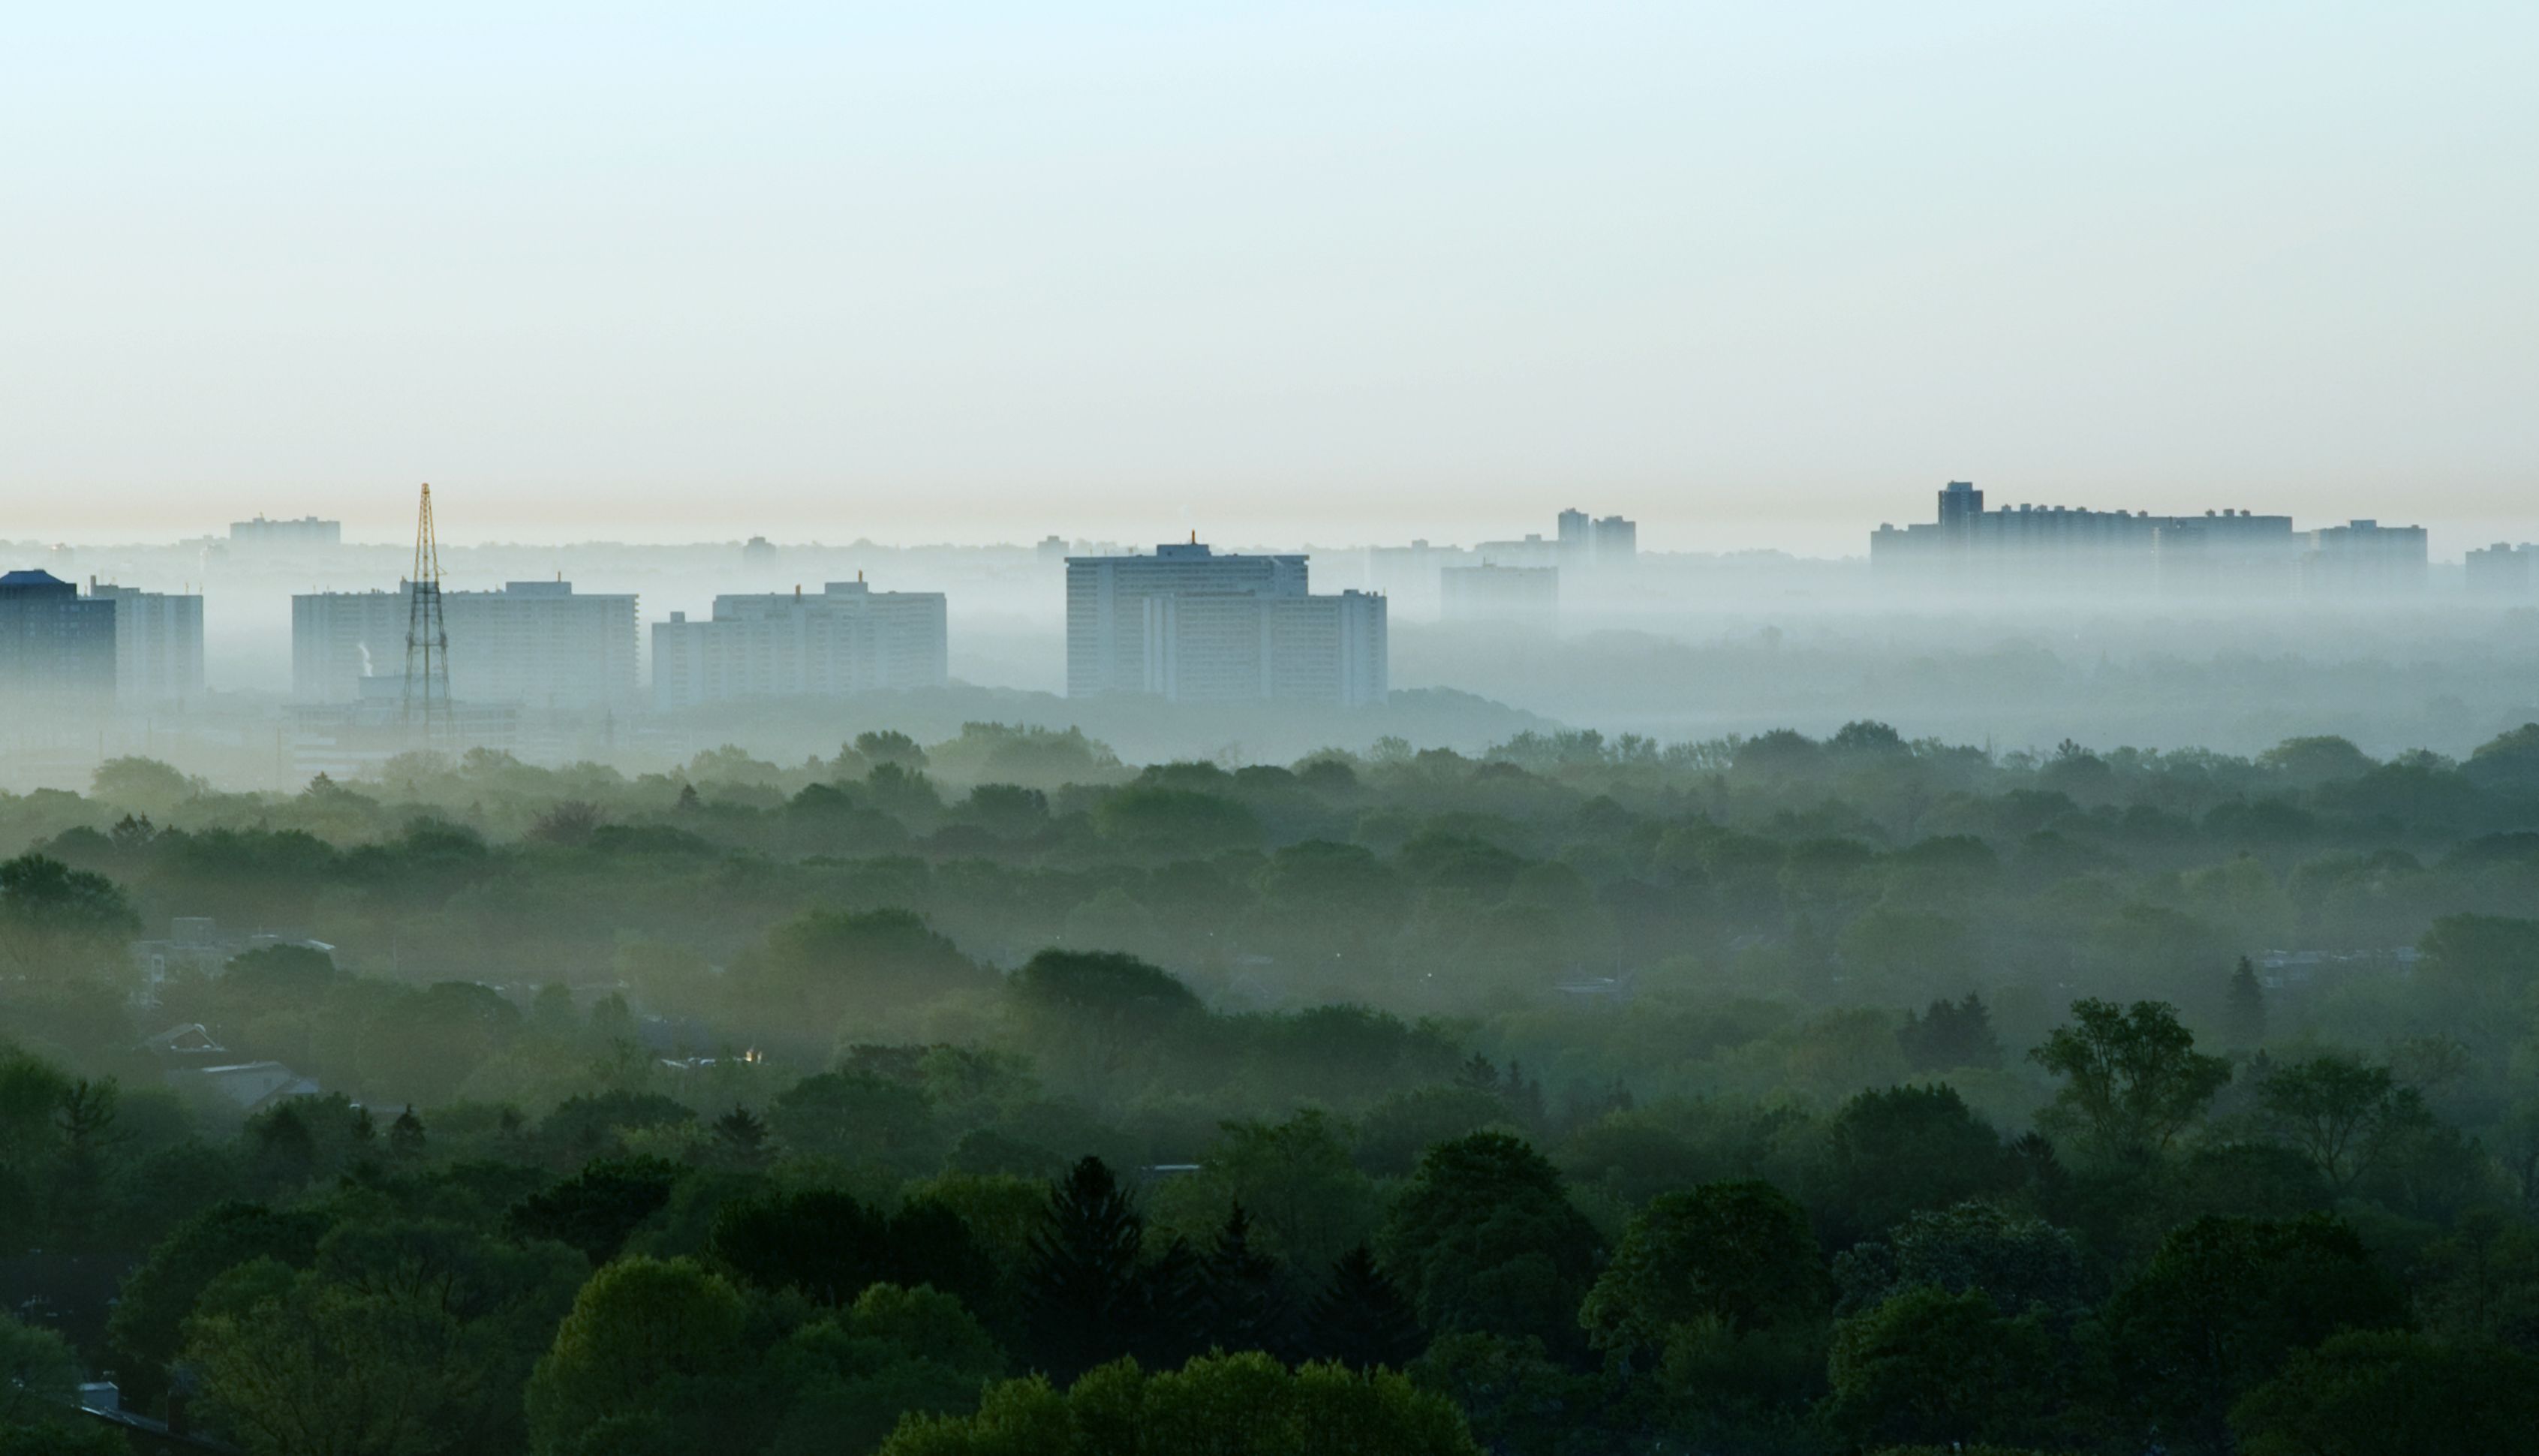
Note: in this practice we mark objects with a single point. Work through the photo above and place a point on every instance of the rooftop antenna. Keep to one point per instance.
(427, 641)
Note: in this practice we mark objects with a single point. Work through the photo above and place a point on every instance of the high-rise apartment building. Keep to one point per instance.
(1594, 544)
(1224, 646)
(847, 639)
(56, 647)
(1188, 625)
(1106, 605)
(157, 643)
(535, 643)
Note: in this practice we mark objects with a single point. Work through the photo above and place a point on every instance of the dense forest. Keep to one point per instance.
(1757, 1095)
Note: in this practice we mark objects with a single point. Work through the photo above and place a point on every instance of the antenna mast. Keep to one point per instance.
(427, 641)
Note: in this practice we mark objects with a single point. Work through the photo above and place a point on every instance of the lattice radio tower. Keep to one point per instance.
(426, 642)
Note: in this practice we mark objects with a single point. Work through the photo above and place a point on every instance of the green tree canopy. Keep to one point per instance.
(2132, 1078)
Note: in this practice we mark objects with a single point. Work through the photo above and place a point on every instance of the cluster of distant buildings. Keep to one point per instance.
(2224, 552)
(1182, 623)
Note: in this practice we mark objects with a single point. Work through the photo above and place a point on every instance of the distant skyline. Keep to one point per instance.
(1304, 271)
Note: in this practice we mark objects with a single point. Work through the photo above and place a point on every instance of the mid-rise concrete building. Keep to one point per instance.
(56, 647)
(2076, 548)
(1106, 605)
(2365, 557)
(2499, 570)
(1504, 595)
(847, 639)
(157, 643)
(533, 644)
(1224, 647)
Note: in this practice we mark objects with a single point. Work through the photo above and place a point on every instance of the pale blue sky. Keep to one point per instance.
(943, 271)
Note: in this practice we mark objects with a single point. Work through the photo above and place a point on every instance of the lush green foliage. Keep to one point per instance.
(1776, 1095)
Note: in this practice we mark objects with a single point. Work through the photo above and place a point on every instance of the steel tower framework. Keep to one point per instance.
(426, 642)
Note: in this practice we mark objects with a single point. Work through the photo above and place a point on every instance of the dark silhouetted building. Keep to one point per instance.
(55, 645)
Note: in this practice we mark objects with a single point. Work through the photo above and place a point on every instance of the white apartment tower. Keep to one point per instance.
(1188, 625)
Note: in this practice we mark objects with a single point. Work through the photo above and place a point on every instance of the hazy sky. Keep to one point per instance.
(1752, 273)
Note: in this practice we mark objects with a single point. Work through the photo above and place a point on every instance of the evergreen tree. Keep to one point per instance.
(1361, 1319)
(405, 1135)
(285, 1155)
(1950, 1034)
(2246, 1019)
(1242, 1303)
(1082, 1288)
(1170, 1327)
(740, 1131)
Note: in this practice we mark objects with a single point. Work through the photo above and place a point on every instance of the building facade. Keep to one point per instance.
(847, 639)
(1106, 605)
(56, 647)
(536, 645)
(157, 643)
(1225, 647)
